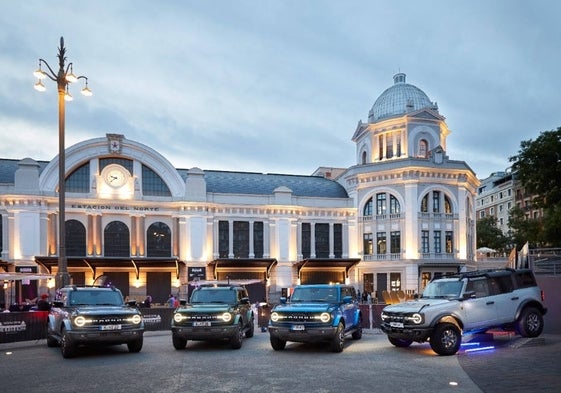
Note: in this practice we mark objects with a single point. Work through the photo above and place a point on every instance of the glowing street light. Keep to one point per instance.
(63, 78)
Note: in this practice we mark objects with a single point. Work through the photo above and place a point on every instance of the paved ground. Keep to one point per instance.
(516, 364)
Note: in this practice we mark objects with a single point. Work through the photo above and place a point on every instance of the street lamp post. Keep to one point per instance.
(63, 78)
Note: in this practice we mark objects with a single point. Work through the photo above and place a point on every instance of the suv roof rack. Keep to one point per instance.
(477, 273)
(75, 287)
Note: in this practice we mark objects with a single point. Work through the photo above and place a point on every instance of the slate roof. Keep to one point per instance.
(226, 182)
(265, 183)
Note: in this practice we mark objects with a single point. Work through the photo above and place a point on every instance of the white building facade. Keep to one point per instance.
(403, 214)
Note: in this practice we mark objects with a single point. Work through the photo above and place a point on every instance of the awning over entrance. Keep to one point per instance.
(338, 264)
(24, 276)
(243, 264)
(108, 262)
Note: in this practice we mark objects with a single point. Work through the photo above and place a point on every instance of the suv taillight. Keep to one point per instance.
(543, 295)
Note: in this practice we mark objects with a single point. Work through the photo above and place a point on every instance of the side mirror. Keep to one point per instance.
(245, 300)
(182, 302)
(58, 304)
(348, 299)
(131, 303)
(469, 295)
(283, 300)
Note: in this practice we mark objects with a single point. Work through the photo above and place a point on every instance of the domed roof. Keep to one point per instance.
(399, 99)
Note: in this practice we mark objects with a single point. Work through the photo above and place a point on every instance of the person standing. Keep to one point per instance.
(43, 303)
(171, 301)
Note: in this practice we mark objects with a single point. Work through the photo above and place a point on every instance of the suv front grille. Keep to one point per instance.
(95, 321)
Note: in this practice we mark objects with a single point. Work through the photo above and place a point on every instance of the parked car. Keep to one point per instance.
(93, 315)
(316, 313)
(215, 312)
(471, 302)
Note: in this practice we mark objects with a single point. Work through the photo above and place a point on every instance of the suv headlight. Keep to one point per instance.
(226, 317)
(178, 317)
(275, 317)
(135, 319)
(80, 321)
(415, 318)
(325, 317)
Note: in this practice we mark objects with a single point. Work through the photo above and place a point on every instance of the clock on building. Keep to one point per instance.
(115, 175)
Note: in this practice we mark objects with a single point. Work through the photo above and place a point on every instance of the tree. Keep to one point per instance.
(489, 234)
(538, 167)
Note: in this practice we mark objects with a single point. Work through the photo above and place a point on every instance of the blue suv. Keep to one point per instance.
(316, 313)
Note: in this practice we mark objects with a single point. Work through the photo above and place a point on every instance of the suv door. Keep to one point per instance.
(348, 309)
(480, 311)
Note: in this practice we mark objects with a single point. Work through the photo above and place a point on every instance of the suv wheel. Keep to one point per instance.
(67, 347)
(530, 323)
(178, 342)
(446, 339)
(251, 329)
(135, 346)
(400, 342)
(338, 342)
(277, 343)
(51, 341)
(236, 340)
(357, 334)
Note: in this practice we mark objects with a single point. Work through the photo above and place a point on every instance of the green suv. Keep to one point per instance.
(470, 302)
(215, 312)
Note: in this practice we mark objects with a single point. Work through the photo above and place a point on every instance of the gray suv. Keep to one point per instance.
(470, 302)
(82, 315)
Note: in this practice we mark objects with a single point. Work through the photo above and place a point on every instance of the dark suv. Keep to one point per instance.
(471, 302)
(93, 315)
(316, 313)
(215, 312)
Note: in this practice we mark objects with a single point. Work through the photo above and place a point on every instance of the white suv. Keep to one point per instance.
(468, 302)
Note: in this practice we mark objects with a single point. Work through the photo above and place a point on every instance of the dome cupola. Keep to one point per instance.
(398, 100)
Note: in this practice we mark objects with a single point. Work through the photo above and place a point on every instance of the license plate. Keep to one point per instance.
(203, 323)
(110, 327)
(396, 324)
(298, 328)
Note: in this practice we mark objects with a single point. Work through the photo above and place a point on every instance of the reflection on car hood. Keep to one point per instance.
(414, 305)
(302, 307)
(106, 310)
(205, 307)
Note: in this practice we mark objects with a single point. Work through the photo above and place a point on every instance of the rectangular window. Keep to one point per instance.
(338, 240)
(367, 246)
(241, 239)
(395, 242)
(258, 239)
(322, 240)
(306, 239)
(381, 203)
(223, 239)
(381, 247)
(425, 242)
(389, 146)
(436, 201)
(398, 144)
(437, 242)
(449, 242)
(380, 147)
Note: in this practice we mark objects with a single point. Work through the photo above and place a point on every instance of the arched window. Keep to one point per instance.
(395, 208)
(363, 159)
(436, 207)
(75, 235)
(423, 149)
(79, 179)
(367, 211)
(153, 184)
(447, 205)
(116, 240)
(158, 240)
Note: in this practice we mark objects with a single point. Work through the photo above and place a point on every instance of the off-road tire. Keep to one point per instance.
(135, 346)
(338, 341)
(357, 334)
(236, 340)
(179, 342)
(67, 347)
(446, 339)
(530, 323)
(277, 343)
(251, 331)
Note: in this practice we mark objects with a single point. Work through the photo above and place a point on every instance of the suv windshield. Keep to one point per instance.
(312, 294)
(443, 289)
(214, 296)
(95, 298)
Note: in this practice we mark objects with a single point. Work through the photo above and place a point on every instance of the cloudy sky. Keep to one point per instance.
(278, 86)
